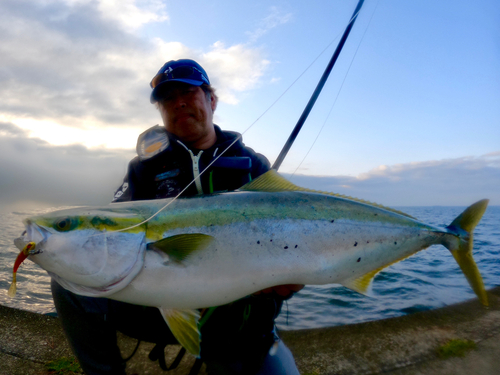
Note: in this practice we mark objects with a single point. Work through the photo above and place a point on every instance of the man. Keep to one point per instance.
(183, 157)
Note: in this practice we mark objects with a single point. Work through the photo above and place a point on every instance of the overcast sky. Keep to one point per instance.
(409, 116)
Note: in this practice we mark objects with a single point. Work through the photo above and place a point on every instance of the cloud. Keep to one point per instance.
(69, 62)
(235, 69)
(80, 64)
(130, 15)
(37, 174)
(276, 18)
(454, 182)
(126, 13)
(232, 70)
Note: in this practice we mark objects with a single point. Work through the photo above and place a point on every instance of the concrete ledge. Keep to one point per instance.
(404, 345)
(400, 346)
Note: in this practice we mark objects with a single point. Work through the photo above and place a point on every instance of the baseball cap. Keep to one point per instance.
(184, 70)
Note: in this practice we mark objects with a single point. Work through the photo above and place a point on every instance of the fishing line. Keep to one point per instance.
(317, 90)
(237, 138)
(338, 92)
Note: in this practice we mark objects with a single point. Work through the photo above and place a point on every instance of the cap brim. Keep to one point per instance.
(156, 94)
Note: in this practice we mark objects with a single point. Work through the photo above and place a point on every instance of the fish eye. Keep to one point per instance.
(65, 224)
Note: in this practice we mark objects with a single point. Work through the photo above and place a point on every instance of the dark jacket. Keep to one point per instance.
(163, 167)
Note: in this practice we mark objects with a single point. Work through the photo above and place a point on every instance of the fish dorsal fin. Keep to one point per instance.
(180, 246)
(272, 182)
(184, 326)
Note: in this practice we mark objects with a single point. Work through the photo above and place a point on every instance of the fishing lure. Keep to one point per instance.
(27, 250)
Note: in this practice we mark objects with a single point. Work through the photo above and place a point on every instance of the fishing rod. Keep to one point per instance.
(318, 89)
(297, 128)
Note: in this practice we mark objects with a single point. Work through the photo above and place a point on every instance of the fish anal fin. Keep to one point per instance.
(184, 326)
(180, 246)
(363, 283)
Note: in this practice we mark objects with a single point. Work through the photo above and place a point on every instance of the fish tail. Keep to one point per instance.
(461, 247)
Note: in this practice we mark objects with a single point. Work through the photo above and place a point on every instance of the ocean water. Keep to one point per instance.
(427, 280)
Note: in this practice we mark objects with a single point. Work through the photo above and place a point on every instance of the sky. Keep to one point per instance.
(409, 116)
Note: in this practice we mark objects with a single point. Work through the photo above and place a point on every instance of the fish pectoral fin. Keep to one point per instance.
(180, 246)
(184, 326)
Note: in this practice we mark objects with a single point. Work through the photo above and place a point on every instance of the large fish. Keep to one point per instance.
(211, 250)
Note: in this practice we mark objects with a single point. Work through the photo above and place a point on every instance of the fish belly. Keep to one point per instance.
(246, 258)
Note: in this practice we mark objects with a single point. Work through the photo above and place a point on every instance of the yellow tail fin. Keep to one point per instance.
(463, 227)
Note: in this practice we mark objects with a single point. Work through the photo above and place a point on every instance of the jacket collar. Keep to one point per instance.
(157, 140)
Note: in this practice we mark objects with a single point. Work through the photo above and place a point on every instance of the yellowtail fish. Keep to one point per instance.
(211, 250)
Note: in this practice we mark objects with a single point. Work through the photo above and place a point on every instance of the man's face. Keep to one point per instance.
(187, 112)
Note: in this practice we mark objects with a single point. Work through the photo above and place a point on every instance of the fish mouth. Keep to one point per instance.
(33, 233)
(22, 241)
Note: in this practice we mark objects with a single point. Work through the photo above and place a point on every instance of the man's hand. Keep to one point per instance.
(285, 291)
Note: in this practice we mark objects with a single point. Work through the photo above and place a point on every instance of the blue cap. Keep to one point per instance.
(185, 70)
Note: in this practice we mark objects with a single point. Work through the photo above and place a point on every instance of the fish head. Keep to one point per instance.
(90, 251)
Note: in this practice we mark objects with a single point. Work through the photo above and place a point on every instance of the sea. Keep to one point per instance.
(427, 280)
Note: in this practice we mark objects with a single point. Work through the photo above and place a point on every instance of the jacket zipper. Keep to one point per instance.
(195, 159)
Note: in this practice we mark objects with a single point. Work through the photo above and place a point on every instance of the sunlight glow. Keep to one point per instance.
(90, 136)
